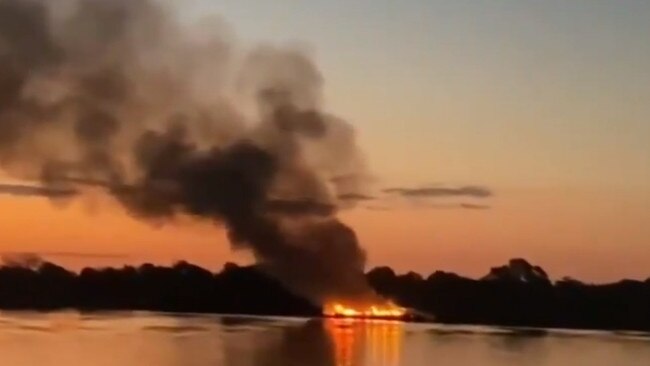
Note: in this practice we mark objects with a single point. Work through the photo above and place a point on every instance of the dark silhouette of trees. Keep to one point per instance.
(517, 294)
(520, 294)
(181, 288)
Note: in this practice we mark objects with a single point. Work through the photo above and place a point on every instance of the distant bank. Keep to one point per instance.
(517, 294)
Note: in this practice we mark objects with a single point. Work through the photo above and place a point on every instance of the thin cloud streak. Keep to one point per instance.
(474, 206)
(464, 191)
(355, 197)
(64, 254)
(22, 190)
(434, 206)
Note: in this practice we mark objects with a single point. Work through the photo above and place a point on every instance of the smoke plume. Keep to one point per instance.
(175, 119)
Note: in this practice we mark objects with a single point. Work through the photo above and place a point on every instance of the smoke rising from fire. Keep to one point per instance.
(174, 119)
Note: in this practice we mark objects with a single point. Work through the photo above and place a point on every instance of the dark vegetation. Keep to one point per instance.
(517, 294)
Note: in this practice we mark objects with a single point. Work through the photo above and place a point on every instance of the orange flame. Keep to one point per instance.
(387, 310)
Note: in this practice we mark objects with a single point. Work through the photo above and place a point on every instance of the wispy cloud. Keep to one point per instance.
(84, 255)
(463, 191)
(473, 206)
(36, 191)
(34, 259)
(355, 197)
(432, 206)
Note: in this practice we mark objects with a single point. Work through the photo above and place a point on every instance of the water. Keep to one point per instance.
(146, 339)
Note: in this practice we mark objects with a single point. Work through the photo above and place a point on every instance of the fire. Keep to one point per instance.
(387, 310)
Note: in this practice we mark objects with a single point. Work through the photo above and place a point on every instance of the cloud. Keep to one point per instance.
(36, 191)
(474, 206)
(355, 197)
(433, 206)
(456, 206)
(32, 259)
(463, 191)
(23, 260)
(379, 208)
(84, 255)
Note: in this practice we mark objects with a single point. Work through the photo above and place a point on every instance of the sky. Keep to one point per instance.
(543, 102)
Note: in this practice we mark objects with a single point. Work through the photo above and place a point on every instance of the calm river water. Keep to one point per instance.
(146, 339)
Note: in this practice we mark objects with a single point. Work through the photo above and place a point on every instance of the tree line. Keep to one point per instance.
(517, 294)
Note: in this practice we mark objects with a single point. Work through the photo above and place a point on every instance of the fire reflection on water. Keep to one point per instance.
(366, 342)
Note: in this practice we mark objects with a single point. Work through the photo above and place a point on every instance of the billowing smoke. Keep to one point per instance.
(176, 119)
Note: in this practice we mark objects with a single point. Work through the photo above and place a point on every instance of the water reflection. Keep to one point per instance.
(366, 342)
(304, 345)
(331, 342)
(146, 339)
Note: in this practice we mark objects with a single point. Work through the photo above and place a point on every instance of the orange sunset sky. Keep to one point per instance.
(545, 103)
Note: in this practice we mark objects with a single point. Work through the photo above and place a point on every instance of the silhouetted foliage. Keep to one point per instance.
(520, 294)
(517, 294)
(181, 288)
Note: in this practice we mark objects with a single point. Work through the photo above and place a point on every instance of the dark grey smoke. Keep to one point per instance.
(172, 119)
(465, 191)
(300, 208)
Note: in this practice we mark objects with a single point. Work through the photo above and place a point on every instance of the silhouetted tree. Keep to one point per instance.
(518, 293)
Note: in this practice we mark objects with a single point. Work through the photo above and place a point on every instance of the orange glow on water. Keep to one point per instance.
(376, 342)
